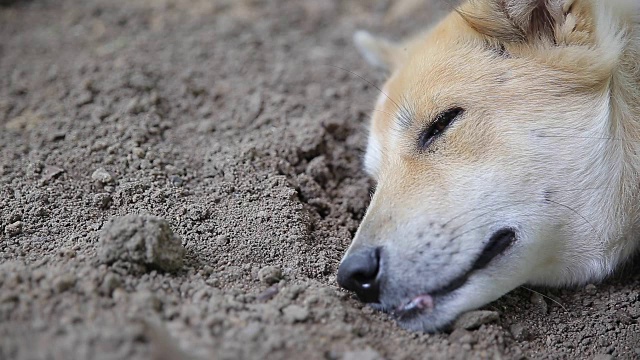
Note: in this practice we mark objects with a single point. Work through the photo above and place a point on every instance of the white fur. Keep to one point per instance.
(373, 155)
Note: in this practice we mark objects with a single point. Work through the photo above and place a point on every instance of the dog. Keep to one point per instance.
(505, 147)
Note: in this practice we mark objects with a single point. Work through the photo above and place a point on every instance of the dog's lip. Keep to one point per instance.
(426, 302)
(419, 304)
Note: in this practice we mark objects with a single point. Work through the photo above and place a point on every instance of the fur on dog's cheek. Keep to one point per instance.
(373, 155)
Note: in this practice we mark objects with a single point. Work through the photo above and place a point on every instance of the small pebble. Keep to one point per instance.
(16, 216)
(102, 176)
(51, 172)
(206, 271)
(64, 283)
(102, 200)
(99, 113)
(84, 98)
(462, 336)
(138, 152)
(366, 354)
(222, 240)
(56, 136)
(146, 300)
(591, 289)
(295, 313)
(269, 293)
(14, 229)
(518, 331)
(66, 253)
(175, 180)
(197, 212)
(270, 274)
(111, 282)
(539, 304)
(9, 297)
(603, 357)
(252, 331)
(474, 319)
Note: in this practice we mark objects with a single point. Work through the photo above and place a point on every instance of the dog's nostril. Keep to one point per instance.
(359, 273)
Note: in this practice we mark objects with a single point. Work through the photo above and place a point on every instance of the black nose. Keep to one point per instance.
(359, 272)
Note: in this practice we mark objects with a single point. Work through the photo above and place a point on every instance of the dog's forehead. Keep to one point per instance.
(414, 92)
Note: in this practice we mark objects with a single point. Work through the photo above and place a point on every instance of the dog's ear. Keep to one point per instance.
(516, 20)
(561, 22)
(378, 52)
(536, 18)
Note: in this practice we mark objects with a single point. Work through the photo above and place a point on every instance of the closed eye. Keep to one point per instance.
(438, 126)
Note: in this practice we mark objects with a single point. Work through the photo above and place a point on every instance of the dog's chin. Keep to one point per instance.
(421, 313)
(428, 323)
(432, 310)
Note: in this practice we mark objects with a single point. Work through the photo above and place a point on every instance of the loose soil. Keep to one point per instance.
(235, 123)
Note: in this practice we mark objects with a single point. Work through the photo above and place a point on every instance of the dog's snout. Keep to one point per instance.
(359, 272)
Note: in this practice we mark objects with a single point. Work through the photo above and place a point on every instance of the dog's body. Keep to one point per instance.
(506, 150)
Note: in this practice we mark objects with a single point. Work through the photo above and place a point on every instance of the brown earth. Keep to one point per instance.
(232, 122)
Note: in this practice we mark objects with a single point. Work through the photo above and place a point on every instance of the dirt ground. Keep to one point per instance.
(233, 124)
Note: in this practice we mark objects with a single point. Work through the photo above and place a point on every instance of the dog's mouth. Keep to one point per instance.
(499, 242)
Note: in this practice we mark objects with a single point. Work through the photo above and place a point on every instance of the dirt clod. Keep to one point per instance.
(141, 239)
(270, 274)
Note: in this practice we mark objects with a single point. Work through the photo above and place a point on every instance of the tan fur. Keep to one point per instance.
(551, 92)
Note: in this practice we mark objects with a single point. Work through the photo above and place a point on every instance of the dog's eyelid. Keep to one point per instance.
(438, 126)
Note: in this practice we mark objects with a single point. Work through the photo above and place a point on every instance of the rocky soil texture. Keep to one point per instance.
(179, 179)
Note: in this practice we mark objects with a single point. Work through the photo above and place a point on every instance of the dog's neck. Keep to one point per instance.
(624, 117)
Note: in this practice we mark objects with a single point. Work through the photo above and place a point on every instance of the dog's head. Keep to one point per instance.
(495, 158)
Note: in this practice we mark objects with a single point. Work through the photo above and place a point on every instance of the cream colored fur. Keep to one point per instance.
(548, 145)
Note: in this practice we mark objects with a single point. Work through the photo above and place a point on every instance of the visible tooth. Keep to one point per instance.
(421, 302)
(409, 306)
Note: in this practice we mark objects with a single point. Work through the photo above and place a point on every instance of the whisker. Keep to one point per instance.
(545, 296)
(384, 112)
(595, 231)
(565, 127)
(577, 213)
(368, 82)
(487, 224)
(467, 212)
(586, 137)
(484, 214)
(581, 189)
